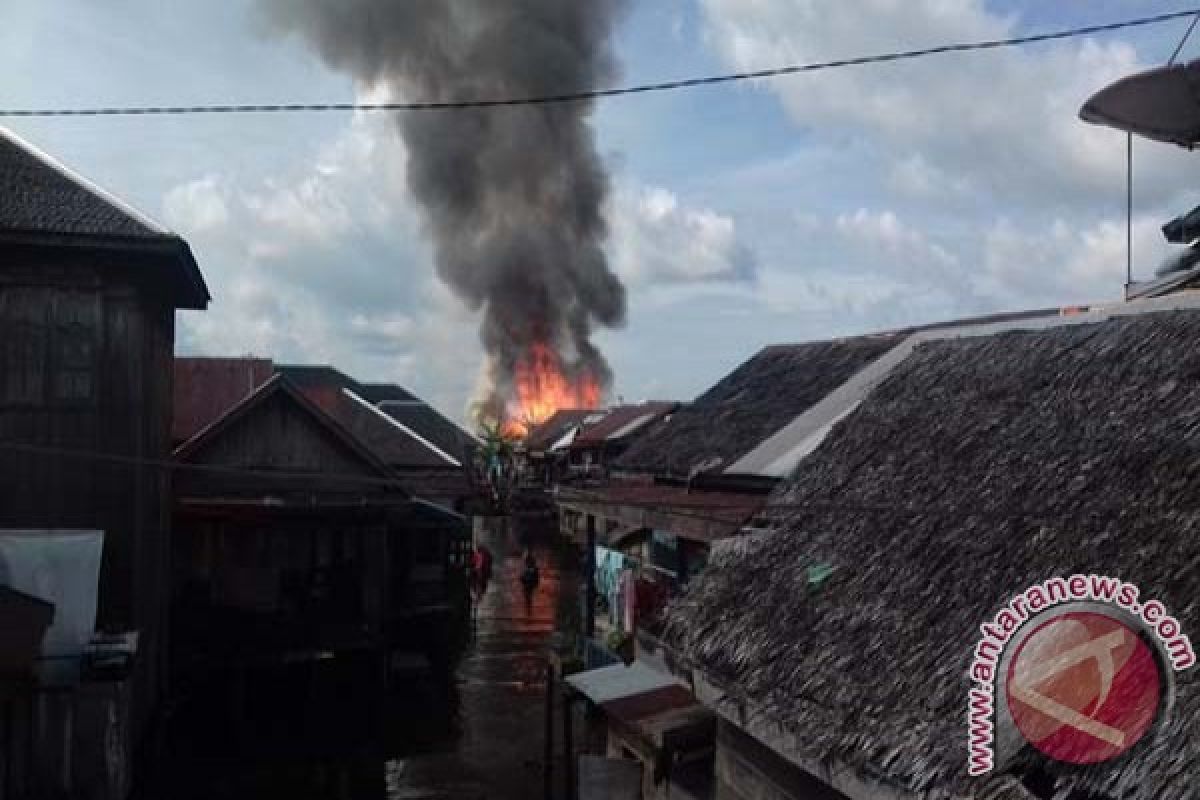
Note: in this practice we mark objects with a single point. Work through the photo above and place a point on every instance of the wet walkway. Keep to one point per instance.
(328, 731)
(497, 753)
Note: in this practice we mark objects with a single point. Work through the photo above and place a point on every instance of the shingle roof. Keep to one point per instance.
(980, 467)
(43, 201)
(39, 194)
(751, 403)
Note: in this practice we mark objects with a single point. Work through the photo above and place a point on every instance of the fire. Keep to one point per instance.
(543, 387)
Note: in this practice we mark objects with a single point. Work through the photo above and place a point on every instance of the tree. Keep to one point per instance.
(495, 467)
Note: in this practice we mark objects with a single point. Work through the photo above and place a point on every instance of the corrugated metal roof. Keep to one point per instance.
(393, 442)
(550, 430)
(324, 385)
(645, 707)
(621, 421)
(619, 681)
(205, 388)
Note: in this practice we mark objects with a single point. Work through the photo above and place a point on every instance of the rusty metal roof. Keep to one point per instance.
(618, 681)
(621, 422)
(205, 388)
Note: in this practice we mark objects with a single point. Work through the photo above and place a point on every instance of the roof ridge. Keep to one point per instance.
(87, 185)
(395, 423)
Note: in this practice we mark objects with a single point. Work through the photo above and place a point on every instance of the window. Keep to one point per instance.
(76, 320)
(23, 346)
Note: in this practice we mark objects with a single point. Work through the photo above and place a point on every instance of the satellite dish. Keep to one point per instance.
(1160, 104)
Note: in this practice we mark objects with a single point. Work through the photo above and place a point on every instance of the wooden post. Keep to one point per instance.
(548, 735)
(568, 748)
(590, 577)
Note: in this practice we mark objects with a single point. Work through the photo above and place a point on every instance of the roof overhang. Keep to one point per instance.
(165, 261)
(651, 704)
(1161, 104)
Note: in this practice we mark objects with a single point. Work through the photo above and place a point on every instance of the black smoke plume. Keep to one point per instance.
(513, 197)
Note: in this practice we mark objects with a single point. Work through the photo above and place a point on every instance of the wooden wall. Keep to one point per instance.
(748, 770)
(278, 436)
(85, 367)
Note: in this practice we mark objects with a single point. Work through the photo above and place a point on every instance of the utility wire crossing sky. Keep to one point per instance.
(593, 94)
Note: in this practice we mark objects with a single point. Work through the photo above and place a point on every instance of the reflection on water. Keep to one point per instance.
(329, 729)
(500, 681)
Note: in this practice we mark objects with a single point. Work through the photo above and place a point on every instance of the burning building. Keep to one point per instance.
(512, 195)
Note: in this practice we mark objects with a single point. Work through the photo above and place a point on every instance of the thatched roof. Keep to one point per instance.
(980, 467)
(751, 403)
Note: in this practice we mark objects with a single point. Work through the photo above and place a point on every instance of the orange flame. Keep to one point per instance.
(543, 387)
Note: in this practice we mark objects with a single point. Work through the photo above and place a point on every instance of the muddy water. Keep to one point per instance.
(500, 681)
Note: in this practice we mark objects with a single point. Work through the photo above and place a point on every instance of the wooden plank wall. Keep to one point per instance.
(85, 368)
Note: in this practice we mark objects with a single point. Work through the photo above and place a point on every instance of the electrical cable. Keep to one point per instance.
(1183, 41)
(342, 480)
(595, 94)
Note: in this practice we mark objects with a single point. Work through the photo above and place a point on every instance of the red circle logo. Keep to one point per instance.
(1083, 687)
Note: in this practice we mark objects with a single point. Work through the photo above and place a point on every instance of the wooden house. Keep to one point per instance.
(88, 292)
(543, 455)
(836, 647)
(294, 537)
(427, 451)
(599, 443)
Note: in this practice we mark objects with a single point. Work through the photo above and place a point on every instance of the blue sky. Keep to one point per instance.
(800, 208)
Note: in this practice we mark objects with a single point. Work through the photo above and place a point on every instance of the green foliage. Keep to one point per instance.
(494, 468)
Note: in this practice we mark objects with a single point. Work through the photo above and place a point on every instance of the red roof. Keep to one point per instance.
(205, 388)
(550, 430)
(621, 420)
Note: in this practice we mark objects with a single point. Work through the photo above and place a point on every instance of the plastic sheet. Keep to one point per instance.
(61, 567)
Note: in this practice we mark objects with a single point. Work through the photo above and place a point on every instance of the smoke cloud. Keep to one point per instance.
(513, 197)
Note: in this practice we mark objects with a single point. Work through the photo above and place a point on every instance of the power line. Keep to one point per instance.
(1183, 41)
(342, 480)
(180, 466)
(773, 509)
(708, 513)
(595, 94)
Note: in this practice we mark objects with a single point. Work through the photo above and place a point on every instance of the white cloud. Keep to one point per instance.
(657, 240)
(196, 206)
(327, 265)
(950, 185)
(1058, 262)
(1001, 123)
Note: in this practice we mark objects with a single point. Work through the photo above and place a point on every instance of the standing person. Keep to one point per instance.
(486, 560)
(529, 578)
(529, 575)
(481, 568)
